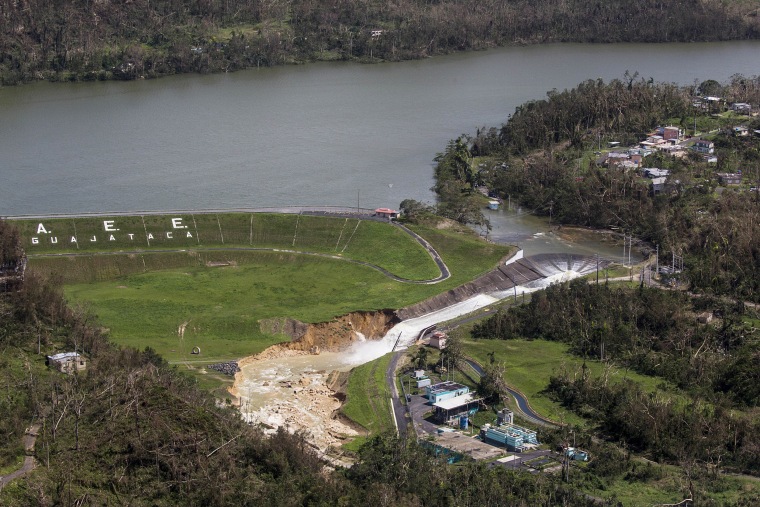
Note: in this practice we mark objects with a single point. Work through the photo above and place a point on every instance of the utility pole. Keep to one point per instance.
(657, 260)
(624, 247)
(597, 268)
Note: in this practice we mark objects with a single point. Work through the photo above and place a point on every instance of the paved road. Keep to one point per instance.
(29, 462)
(399, 410)
(445, 273)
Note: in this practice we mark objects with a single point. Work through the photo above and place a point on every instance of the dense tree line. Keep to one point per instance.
(710, 437)
(82, 39)
(10, 249)
(130, 429)
(652, 331)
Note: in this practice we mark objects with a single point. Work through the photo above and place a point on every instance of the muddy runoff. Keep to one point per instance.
(300, 384)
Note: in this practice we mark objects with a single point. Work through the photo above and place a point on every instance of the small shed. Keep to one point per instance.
(705, 317)
(67, 362)
(418, 374)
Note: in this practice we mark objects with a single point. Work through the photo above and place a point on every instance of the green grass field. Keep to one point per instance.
(529, 364)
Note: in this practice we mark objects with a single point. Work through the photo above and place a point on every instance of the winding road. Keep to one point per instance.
(522, 401)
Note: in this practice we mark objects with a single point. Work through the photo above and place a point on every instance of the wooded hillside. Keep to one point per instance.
(105, 39)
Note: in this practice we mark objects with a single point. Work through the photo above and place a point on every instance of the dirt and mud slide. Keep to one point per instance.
(335, 335)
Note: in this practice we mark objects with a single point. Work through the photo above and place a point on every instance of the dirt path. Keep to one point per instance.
(30, 437)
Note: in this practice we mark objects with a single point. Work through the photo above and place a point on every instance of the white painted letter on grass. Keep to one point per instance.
(177, 223)
(108, 226)
(41, 229)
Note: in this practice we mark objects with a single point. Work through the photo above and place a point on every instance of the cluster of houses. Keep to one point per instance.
(673, 140)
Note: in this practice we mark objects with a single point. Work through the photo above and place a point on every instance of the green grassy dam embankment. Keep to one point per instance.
(174, 282)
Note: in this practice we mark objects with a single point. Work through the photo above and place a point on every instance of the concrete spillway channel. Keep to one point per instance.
(532, 272)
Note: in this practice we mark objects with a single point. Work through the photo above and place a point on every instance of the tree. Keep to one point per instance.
(419, 358)
(452, 354)
(492, 385)
(412, 210)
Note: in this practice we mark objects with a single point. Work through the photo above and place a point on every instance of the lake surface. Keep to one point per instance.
(319, 134)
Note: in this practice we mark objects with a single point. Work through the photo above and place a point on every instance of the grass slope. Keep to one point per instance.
(363, 240)
(368, 398)
(529, 364)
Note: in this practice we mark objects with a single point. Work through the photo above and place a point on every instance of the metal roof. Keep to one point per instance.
(455, 402)
(64, 355)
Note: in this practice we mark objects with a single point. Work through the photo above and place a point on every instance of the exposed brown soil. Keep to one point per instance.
(335, 335)
(313, 403)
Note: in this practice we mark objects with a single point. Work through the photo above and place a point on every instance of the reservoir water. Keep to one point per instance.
(318, 134)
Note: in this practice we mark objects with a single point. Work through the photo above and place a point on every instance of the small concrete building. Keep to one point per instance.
(67, 362)
(671, 133)
(653, 172)
(388, 213)
(438, 340)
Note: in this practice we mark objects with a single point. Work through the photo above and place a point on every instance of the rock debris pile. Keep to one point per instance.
(229, 368)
